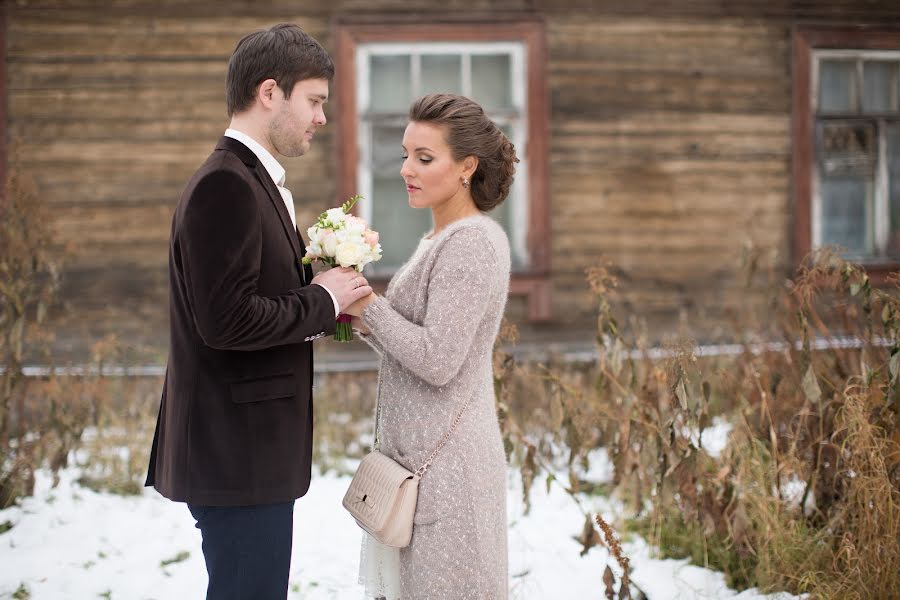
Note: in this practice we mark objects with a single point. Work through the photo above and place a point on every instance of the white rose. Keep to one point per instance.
(355, 224)
(336, 216)
(348, 254)
(329, 243)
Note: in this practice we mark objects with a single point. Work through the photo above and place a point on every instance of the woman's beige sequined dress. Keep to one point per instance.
(435, 330)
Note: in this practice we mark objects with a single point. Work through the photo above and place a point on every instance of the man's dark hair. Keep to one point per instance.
(284, 53)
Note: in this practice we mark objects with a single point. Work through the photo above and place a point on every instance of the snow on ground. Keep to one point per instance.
(71, 543)
(715, 437)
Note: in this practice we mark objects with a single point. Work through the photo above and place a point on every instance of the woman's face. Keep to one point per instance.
(432, 176)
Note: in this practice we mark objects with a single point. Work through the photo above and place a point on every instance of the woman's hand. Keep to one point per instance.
(356, 309)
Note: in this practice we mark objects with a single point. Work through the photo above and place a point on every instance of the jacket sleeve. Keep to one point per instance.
(220, 241)
(460, 287)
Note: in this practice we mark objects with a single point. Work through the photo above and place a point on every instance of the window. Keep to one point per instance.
(382, 68)
(391, 76)
(856, 201)
(847, 144)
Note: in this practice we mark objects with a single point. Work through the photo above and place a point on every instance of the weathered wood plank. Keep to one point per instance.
(116, 74)
(180, 103)
(774, 10)
(134, 38)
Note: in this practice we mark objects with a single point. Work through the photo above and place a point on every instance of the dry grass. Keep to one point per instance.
(806, 496)
(28, 283)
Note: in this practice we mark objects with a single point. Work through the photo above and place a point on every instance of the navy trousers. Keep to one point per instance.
(247, 550)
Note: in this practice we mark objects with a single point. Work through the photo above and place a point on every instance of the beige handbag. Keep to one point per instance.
(382, 495)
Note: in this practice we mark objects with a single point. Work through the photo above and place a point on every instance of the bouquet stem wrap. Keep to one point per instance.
(344, 332)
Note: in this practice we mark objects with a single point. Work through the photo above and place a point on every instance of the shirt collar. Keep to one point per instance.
(275, 170)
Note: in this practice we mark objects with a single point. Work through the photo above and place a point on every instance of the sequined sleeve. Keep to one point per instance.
(460, 287)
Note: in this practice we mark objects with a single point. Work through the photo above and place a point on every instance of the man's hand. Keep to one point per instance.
(347, 285)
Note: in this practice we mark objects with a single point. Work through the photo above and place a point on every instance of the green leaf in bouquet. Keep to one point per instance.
(348, 205)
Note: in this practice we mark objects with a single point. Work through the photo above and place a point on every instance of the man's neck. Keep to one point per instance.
(248, 125)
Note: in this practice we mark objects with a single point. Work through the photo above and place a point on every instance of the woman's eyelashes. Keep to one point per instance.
(422, 159)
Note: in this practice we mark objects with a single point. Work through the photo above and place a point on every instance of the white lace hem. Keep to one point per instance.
(379, 569)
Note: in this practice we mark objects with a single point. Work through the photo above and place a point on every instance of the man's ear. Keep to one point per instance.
(266, 93)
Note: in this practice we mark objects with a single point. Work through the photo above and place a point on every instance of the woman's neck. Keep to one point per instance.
(451, 211)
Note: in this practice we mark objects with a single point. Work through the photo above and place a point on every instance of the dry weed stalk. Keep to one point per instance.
(615, 547)
(28, 282)
(805, 496)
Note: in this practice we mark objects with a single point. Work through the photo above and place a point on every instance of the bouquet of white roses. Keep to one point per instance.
(341, 239)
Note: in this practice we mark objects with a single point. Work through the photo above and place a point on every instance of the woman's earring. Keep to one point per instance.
(465, 182)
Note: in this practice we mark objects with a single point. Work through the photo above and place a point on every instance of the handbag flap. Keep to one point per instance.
(377, 487)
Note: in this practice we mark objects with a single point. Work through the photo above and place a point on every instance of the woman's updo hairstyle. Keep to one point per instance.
(471, 133)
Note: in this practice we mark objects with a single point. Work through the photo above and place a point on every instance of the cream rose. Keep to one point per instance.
(328, 241)
(348, 254)
(336, 216)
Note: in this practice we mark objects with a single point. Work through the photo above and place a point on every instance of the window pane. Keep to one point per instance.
(837, 86)
(491, 80)
(390, 82)
(502, 214)
(847, 156)
(441, 73)
(893, 158)
(878, 79)
(847, 148)
(847, 213)
(400, 226)
(387, 150)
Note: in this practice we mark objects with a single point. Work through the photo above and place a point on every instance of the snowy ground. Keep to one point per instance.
(69, 542)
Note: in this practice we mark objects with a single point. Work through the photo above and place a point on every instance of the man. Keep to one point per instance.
(234, 435)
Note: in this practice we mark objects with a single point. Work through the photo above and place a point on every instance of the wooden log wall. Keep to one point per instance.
(670, 150)
(669, 139)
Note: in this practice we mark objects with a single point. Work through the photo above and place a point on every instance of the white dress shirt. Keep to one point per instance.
(277, 173)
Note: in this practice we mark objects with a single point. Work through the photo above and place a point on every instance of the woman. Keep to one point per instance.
(435, 330)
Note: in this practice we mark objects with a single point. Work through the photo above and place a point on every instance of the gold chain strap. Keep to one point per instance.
(421, 470)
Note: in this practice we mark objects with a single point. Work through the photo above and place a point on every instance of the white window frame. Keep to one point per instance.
(881, 201)
(517, 119)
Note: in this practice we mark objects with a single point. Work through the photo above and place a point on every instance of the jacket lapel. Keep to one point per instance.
(250, 159)
(278, 203)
